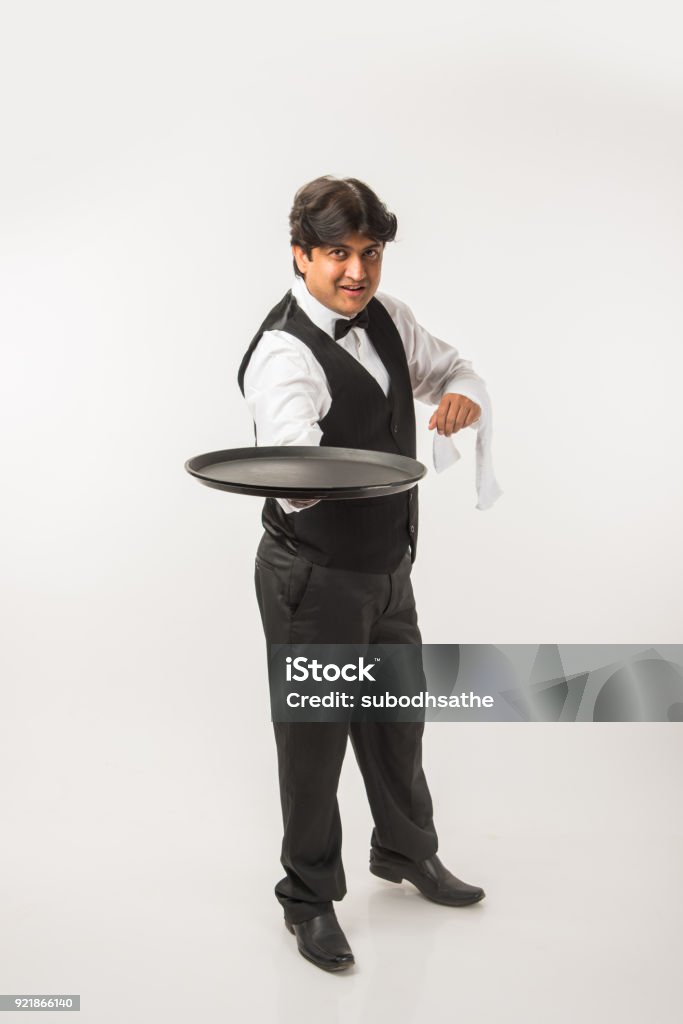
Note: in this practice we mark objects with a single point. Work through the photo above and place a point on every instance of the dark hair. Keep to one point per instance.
(327, 209)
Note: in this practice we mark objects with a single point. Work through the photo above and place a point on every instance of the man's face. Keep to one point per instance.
(343, 276)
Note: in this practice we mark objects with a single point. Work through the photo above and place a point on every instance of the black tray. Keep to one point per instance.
(302, 471)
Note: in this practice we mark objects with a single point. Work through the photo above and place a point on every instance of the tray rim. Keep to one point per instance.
(311, 451)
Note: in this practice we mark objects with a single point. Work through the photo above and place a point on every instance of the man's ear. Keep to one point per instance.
(302, 260)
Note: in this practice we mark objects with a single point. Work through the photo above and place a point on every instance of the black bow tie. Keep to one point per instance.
(342, 327)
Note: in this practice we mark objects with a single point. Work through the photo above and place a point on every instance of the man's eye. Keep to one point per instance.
(372, 253)
(339, 252)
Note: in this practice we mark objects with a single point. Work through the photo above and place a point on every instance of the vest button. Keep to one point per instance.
(396, 428)
(412, 529)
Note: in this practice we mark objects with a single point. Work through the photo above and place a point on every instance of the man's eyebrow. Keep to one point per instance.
(343, 245)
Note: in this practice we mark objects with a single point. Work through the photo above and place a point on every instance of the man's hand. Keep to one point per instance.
(454, 413)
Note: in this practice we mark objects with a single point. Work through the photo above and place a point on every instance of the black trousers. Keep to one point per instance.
(305, 603)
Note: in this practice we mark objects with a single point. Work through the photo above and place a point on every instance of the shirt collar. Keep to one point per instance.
(321, 316)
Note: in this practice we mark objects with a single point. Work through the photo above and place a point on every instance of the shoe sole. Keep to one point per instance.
(390, 874)
(331, 968)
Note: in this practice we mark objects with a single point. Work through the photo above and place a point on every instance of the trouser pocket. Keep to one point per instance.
(283, 579)
(300, 575)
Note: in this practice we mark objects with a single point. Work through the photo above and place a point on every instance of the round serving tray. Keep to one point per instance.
(303, 471)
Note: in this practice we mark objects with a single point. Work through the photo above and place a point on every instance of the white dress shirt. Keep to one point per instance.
(288, 395)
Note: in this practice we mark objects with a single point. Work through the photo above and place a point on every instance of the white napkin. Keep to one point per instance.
(445, 455)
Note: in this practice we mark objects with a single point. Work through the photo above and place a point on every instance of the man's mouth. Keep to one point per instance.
(353, 289)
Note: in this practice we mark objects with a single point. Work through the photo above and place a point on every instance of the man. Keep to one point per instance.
(335, 364)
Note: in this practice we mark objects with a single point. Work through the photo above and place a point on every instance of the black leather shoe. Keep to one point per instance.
(322, 941)
(430, 876)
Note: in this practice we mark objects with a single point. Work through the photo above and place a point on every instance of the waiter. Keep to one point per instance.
(336, 364)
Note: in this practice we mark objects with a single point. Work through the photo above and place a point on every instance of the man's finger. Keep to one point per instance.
(462, 410)
(451, 417)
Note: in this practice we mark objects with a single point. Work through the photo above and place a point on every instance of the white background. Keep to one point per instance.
(533, 153)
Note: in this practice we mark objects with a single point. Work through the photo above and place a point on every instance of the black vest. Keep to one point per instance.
(365, 535)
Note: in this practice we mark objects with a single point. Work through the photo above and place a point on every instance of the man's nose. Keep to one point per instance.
(354, 268)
